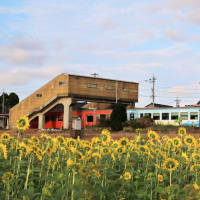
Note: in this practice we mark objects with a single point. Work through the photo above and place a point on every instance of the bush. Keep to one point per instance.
(143, 122)
(118, 117)
(104, 123)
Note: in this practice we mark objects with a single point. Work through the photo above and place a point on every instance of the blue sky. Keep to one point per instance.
(125, 40)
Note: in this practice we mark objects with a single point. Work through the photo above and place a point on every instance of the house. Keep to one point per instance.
(53, 103)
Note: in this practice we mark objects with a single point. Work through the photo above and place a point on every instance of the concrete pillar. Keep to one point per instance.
(67, 113)
(41, 121)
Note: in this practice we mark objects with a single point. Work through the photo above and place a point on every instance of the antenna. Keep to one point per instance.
(95, 75)
(152, 80)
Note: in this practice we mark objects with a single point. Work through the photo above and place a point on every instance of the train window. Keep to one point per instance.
(194, 115)
(102, 116)
(156, 116)
(141, 115)
(165, 116)
(184, 115)
(131, 116)
(90, 118)
(147, 115)
(60, 118)
(174, 116)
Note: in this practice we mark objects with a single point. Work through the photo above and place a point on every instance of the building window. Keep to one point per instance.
(47, 118)
(90, 118)
(147, 115)
(141, 115)
(53, 118)
(131, 116)
(38, 95)
(60, 118)
(156, 116)
(165, 116)
(110, 88)
(126, 89)
(184, 115)
(174, 116)
(102, 116)
(194, 115)
(62, 83)
(92, 85)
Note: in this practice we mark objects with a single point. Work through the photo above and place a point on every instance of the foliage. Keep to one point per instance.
(118, 117)
(147, 167)
(143, 122)
(9, 101)
(104, 123)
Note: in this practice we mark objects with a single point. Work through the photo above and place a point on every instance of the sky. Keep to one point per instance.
(117, 39)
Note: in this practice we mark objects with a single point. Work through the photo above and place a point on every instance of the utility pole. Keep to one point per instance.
(116, 92)
(152, 80)
(177, 102)
(3, 103)
(94, 75)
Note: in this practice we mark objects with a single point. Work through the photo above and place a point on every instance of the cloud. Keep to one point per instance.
(23, 51)
(175, 35)
(24, 76)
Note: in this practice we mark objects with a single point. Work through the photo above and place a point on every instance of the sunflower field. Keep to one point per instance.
(145, 167)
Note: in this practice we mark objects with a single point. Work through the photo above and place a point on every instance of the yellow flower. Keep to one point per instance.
(195, 167)
(184, 155)
(153, 135)
(5, 137)
(105, 131)
(126, 176)
(22, 123)
(7, 177)
(189, 140)
(196, 186)
(160, 178)
(4, 150)
(105, 151)
(70, 163)
(170, 164)
(60, 139)
(196, 157)
(120, 150)
(123, 142)
(176, 142)
(96, 155)
(182, 131)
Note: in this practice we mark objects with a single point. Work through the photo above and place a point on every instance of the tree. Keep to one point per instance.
(9, 101)
(118, 116)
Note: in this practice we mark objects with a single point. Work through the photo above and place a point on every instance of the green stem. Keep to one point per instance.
(170, 176)
(28, 173)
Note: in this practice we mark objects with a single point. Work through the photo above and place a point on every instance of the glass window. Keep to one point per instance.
(110, 87)
(90, 118)
(194, 115)
(38, 95)
(184, 115)
(62, 83)
(165, 116)
(174, 115)
(92, 85)
(141, 115)
(132, 116)
(156, 116)
(147, 115)
(102, 116)
(60, 118)
(126, 89)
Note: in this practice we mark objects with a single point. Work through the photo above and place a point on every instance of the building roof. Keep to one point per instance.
(156, 105)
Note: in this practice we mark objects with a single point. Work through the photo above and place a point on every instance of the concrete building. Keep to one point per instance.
(61, 93)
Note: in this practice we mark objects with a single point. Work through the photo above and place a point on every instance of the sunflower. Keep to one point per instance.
(152, 135)
(123, 142)
(184, 155)
(195, 168)
(96, 141)
(96, 155)
(4, 150)
(176, 142)
(7, 177)
(24, 148)
(182, 131)
(105, 131)
(60, 139)
(126, 176)
(189, 140)
(170, 164)
(120, 150)
(105, 151)
(105, 137)
(196, 157)
(70, 163)
(160, 178)
(22, 123)
(83, 171)
(5, 137)
(35, 140)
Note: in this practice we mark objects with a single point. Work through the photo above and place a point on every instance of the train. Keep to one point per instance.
(184, 116)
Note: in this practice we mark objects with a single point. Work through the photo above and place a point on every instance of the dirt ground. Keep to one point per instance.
(89, 134)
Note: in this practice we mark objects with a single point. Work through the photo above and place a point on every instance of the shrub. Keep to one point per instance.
(104, 123)
(143, 122)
